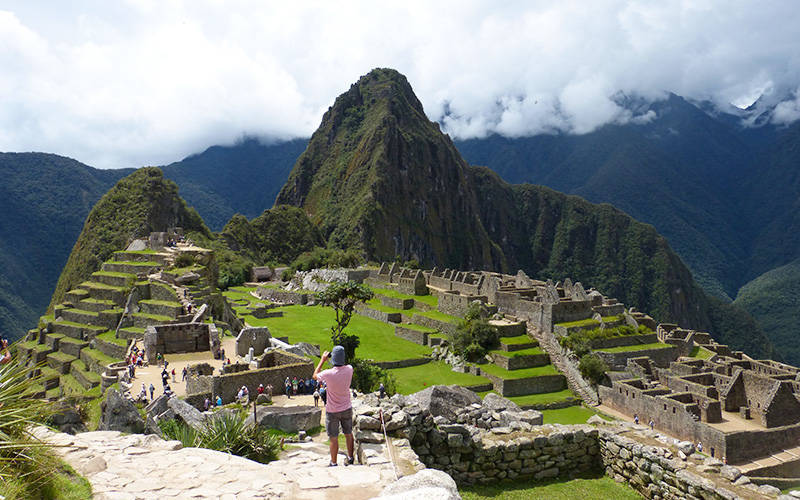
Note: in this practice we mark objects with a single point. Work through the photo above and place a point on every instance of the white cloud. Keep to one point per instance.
(119, 84)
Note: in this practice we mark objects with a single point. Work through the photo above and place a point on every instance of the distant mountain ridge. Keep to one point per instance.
(379, 176)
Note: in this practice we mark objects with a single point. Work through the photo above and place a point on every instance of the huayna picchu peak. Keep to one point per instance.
(379, 176)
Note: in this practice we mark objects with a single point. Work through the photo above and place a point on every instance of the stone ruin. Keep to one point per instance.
(181, 338)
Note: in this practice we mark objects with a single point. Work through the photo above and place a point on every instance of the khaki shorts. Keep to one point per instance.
(332, 421)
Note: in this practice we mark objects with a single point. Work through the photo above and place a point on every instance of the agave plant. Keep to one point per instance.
(20, 451)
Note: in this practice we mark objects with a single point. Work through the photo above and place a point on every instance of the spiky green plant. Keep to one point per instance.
(228, 433)
(22, 456)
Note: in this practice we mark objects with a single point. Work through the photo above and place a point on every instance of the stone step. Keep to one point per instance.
(52, 340)
(48, 377)
(75, 296)
(128, 267)
(72, 346)
(78, 316)
(96, 360)
(32, 353)
(80, 331)
(95, 305)
(87, 379)
(122, 280)
(106, 292)
(161, 307)
(518, 360)
(60, 361)
(518, 343)
(110, 348)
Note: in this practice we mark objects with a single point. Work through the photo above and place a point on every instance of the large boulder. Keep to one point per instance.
(188, 413)
(427, 484)
(496, 402)
(444, 400)
(120, 414)
(288, 418)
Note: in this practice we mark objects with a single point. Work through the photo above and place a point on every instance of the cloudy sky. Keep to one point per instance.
(145, 82)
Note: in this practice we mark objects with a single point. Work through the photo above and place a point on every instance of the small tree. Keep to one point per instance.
(592, 368)
(343, 297)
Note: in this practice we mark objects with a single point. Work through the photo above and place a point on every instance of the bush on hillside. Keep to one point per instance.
(580, 341)
(474, 337)
(367, 377)
(592, 368)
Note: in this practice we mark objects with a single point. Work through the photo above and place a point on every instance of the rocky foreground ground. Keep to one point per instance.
(135, 466)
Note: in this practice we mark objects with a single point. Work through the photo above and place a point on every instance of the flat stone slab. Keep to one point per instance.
(138, 466)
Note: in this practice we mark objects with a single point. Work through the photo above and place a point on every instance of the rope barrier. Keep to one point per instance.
(388, 445)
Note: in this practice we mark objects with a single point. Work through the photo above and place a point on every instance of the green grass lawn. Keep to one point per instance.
(522, 352)
(519, 339)
(431, 300)
(586, 488)
(701, 353)
(135, 263)
(570, 415)
(109, 337)
(581, 322)
(313, 324)
(637, 347)
(241, 293)
(544, 398)
(440, 316)
(538, 371)
(415, 378)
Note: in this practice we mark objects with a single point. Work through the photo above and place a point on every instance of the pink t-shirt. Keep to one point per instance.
(338, 379)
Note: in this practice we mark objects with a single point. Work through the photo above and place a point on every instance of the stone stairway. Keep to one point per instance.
(566, 366)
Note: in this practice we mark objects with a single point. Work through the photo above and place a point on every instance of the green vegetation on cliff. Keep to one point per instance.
(774, 300)
(137, 205)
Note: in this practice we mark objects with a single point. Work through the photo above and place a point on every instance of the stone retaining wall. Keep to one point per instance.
(110, 348)
(282, 296)
(511, 362)
(660, 357)
(525, 386)
(442, 326)
(385, 317)
(396, 302)
(228, 385)
(403, 363)
(412, 335)
(625, 340)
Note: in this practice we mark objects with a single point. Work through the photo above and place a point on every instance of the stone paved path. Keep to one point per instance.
(136, 466)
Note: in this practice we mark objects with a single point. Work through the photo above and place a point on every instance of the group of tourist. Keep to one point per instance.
(295, 386)
(207, 403)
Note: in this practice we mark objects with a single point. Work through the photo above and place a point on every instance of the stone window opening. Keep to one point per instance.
(673, 410)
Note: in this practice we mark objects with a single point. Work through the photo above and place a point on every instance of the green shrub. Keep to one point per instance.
(228, 433)
(474, 338)
(580, 341)
(324, 257)
(368, 376)
(184, 260)
(592, 368)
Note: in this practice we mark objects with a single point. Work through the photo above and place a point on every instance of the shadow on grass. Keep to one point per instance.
(589, 486)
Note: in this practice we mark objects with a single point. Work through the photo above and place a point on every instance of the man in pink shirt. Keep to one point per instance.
(338, 408)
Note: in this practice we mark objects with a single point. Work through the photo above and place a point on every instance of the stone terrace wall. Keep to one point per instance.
(650, 471)
(660, 357)
(228, 385)
(282, 296)
(456, 304)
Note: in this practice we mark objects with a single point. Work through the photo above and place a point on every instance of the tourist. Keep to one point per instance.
(651, 424)
(219, 400)
(323, 393)
(636, 419)
(700, 447)
(158, 358)
(301, 387)
(167, 390)
(269, 390)
(206, 404)
(381, 391)
(260, 389)
(288, 388)
(338, 409)
(173, 375)
(143, 394)
(294, 386)
(185, 371)
(152, 390)
(316, 397)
